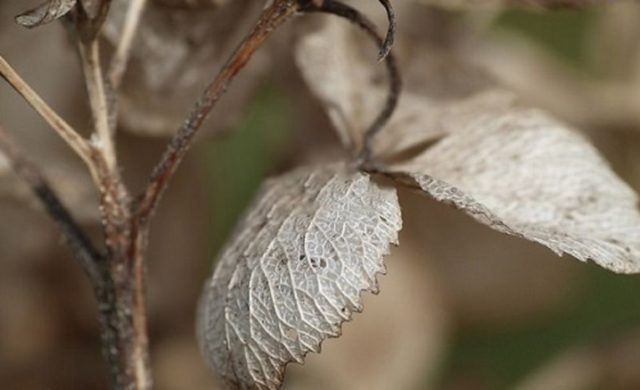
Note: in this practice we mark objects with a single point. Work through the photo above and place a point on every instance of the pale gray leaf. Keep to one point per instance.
(293, 272)
(522, 172)
(45, 13)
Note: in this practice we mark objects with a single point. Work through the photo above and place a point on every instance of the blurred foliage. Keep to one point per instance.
(603, 307)
(566, 34)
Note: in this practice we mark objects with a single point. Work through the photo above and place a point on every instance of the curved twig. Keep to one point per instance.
(271, 18)
(395, 81)
(385, 49)
(77, 143)
(123, 49)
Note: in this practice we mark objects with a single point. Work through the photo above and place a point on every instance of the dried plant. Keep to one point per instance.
(315, 238)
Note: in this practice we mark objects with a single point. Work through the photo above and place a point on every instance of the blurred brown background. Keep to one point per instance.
(462, 307)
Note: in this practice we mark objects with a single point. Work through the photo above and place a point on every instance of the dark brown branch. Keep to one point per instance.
(83, 250)
(385, 49)
(395, 81)
(93, 263)
(271, 18)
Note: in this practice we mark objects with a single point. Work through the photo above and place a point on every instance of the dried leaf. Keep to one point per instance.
(45, 13)
(523, 173)
(294, 272)
(159, 89)
(340, 68)
(390, 346)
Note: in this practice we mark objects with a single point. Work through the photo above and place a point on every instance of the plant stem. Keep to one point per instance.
(90, 55)
(118, 276)
(90, 260)
(64, 130)
(271, 18)
(338, 8)
(123, 50)
(94, 264)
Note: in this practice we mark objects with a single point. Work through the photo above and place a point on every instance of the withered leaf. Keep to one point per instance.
(293, 272)
(523, 173)
(340, 68)
(45, 13)
(158, 88)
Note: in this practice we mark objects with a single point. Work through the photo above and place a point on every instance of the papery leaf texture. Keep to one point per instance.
(294, 271)
(524, 173)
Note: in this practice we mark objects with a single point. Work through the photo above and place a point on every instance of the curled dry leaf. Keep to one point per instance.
(340, 68)
(45, 13)
(512, 168)
(158, 89)
(523, 173)
(294, 272)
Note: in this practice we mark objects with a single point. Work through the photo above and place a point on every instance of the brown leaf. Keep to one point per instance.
(523, 173)
(45, 13)
(294, 272)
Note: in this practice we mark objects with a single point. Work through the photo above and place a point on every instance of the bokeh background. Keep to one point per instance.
(462, 307)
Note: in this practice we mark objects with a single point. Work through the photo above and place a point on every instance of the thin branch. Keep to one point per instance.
(64, 130)
(123, 50)
(88, 22)
(272, 17)
(395, 81)
(92, 68)
(386, 46)
(83, 250)
(94, 264)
